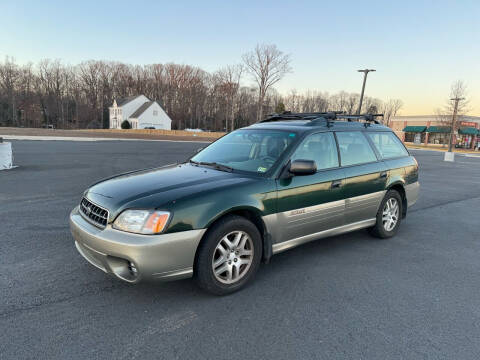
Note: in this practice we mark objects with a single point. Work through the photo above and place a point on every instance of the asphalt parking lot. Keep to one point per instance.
(416, 296)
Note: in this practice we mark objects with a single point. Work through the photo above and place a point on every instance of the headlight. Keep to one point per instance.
(142, 221)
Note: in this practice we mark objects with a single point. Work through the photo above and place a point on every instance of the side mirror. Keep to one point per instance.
(303, 167)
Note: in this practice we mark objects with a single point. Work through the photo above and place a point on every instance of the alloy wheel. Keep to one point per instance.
(390, 214)
(232, 257)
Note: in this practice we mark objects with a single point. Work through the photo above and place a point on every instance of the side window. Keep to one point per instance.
(388, 145)
(320, 148)
(354, 148)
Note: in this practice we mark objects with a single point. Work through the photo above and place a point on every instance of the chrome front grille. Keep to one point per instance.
(93, 213)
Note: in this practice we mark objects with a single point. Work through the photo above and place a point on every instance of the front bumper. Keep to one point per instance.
(162, 257)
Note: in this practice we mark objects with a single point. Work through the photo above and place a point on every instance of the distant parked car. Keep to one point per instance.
(48, 126)
(149, 127)
(253, 193)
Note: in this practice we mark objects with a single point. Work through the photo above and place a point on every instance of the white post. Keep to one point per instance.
(6, 157)
(449, 156)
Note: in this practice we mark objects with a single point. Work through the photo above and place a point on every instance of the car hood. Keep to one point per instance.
(157, 187)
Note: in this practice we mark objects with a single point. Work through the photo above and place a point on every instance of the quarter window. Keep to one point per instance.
(354, 148)
(320, 148)
(388, 145)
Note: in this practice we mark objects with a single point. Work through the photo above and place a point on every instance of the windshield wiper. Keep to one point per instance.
(215, 165)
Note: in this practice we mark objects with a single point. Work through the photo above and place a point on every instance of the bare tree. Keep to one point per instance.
(268, 65)
(352, 101)
(90, 84)
(229, 82)
(25, 95)
(458, 90)
(371, 104)
(457, 105)
(292, 101)
(339, 102)
(390, 109)
(442, 118)
(8, 80)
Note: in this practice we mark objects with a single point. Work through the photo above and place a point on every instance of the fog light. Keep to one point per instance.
(133, 270)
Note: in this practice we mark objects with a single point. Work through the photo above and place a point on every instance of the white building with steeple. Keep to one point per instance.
(141, 113)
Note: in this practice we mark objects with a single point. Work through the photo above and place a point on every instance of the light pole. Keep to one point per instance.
(365, 72)
(454, 120)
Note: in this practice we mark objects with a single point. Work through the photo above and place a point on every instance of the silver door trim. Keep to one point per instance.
(367, 198)
(279, 224)
(359, 208)
(286, 245)
(314, 208)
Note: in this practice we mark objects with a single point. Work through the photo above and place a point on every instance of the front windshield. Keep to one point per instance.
(247, 150)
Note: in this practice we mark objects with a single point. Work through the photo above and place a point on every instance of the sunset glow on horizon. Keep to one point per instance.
(418, 48)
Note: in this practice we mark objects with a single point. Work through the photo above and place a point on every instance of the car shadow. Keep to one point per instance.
(296, 260)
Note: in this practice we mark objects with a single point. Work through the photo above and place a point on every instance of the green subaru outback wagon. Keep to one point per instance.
(253, 193)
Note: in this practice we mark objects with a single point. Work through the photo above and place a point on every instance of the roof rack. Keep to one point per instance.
(288, 115)
(329, 117)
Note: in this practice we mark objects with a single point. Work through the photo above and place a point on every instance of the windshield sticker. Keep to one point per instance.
(261, 169)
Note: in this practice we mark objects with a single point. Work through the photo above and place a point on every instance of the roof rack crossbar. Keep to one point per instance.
(288, 115)
(329, 116)
(366, 117)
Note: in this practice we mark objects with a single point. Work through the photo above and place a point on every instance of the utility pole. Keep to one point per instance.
(454, 121)
(365, 72)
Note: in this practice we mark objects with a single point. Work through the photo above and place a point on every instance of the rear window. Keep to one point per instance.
(388, 145)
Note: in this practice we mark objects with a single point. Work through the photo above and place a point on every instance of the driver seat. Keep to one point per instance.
(275, 147)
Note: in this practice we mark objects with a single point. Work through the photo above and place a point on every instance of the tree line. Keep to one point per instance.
(78, 96)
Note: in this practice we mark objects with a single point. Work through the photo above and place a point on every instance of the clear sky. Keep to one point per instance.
(417, 47)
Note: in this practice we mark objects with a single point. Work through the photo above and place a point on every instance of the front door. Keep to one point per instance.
(312, 203)
(365, 175)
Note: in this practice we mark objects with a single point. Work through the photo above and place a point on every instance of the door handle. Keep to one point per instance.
(383, 175)
(336, 184)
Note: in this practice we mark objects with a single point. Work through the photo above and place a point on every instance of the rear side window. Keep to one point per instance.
(320, 148)
(388, 145)
(354, 148)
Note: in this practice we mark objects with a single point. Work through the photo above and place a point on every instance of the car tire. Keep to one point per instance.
(232, 245)
(384, 228)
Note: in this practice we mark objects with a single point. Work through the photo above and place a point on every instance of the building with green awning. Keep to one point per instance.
(438, 129)
(415, 129)
(468, 131)
(438, 134)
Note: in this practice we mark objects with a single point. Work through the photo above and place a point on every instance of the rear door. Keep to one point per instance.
(312, 203)
(365, 176)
